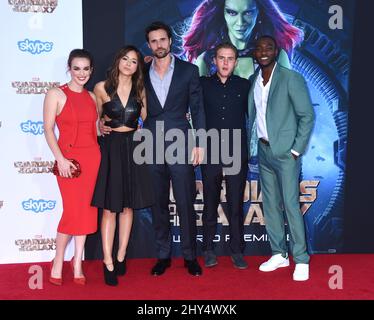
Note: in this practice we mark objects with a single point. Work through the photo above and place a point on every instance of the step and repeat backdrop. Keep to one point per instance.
(37, 37)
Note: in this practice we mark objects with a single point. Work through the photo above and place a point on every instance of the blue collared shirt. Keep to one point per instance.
(162, 86)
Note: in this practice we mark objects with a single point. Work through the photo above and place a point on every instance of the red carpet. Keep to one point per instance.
(222, 282)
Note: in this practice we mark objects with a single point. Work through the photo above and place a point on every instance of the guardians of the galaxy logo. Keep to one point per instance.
(36, 6)
(38, 243)
(254, 214)
(37, 166)
(34, 87)
(252, 197)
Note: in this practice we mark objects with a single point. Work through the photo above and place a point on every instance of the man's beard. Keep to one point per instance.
(161, 53)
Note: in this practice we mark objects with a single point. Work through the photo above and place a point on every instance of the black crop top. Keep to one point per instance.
(120, 115)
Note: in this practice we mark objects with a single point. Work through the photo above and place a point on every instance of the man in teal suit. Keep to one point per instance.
(280, 103)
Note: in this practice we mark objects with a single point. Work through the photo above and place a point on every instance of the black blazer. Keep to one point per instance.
(185, 93)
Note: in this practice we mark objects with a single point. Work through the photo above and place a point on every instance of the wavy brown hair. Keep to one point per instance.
(111, 83)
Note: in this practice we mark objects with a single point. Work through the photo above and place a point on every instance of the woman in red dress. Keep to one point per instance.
(74, 110)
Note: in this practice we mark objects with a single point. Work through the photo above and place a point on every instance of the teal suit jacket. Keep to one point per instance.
(289, 113)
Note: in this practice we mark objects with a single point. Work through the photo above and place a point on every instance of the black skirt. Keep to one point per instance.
(121, 183)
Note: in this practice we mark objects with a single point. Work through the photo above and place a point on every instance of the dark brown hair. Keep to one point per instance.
(80, 53)
(157, 25)
(111, 83)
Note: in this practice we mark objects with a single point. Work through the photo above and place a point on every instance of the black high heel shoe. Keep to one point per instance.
(120, 267)
(110, 277)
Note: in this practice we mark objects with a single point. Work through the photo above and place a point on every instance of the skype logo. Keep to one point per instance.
(38, 205)
(32, 127)
(34, 47)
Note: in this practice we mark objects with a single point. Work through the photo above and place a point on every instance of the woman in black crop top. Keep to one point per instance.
(122, 185)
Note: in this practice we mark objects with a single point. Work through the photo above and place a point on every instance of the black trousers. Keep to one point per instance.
(184, 189)
(235, 185)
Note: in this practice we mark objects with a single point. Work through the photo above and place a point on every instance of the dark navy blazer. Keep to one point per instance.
(185, 94)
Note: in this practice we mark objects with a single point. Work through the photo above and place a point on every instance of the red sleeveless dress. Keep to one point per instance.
(78, 140)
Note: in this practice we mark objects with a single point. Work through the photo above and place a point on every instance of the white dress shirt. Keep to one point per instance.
(261, 96)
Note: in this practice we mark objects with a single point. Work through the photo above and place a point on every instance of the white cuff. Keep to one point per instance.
(295, 152)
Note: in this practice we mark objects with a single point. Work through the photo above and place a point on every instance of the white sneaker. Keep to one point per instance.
(301, 272)
(275, 262)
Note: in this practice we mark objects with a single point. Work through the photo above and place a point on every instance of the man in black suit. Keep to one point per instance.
(226, 102)
(172, 89)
